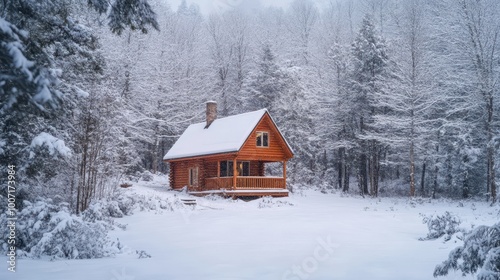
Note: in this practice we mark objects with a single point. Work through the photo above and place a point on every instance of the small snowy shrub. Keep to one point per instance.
(95, 212)
(114, 209)
(414, 201)
(142, 254)
(48, 229)
(480, 252)
(147, 176)
(269, 202)
(491, 266)
(446, 224)
(126, 202)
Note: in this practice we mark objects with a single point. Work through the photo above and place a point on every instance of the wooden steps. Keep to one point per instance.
(188, 201)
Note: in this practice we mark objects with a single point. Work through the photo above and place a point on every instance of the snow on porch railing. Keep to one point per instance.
(245, 182)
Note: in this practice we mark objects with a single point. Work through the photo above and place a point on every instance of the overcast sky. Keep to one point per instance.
(209, 6)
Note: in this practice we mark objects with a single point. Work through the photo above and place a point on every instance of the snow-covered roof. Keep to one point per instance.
(224, 135)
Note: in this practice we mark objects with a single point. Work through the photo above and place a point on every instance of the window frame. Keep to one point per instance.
(228, 169)
(260, 135)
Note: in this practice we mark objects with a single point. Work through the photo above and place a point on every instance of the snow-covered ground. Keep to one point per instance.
(306, 236)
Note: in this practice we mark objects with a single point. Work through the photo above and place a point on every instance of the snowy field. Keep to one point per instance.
(306, 236)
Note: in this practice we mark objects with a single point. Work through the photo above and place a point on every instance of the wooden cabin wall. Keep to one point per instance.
(171, 175)
(211, 169)
(256, 168)
(180, 171)
(276, 149)
(262, 169)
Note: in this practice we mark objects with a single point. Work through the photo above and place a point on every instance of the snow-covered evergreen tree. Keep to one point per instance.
(479, 254)
(268, 83)
(370, 63)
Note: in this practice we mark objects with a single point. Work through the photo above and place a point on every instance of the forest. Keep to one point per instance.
(376, 97)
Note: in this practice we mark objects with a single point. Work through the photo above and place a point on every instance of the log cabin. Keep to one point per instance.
(228, 156)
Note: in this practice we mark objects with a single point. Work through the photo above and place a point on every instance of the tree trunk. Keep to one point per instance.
(436, 169)
(491, 153)
(435, 183)
(465, 185)
(449, 175)
(346, 178)
(374, 167)
(370, 173)
(363, 176)
(422, 181)
(376, 172)
(412, 170)
(341, 168)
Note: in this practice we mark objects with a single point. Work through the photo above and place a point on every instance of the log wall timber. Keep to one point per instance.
(211, 169)
(255, 168)
(171, 175)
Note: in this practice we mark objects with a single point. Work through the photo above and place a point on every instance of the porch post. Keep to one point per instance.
(284, 174)
(218, 168)
(234, 173)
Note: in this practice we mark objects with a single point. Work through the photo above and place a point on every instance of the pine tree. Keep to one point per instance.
(369, 69)
(59, 50)
(135, 14)
(54, 63)
(405, 116)
(268, 83)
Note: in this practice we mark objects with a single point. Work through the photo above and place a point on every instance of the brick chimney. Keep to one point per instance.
(211, 112)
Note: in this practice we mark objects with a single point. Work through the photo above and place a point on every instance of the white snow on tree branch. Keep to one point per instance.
(2, 145)
(15, 48)
(52, 143)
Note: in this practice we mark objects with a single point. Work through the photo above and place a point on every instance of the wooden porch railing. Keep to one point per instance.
(218, 183)
(245, 182)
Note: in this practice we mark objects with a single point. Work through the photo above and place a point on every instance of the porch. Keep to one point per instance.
(241, 177)
(244, 183)
(244, 186)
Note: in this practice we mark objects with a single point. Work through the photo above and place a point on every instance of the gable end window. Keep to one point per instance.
(262, 139)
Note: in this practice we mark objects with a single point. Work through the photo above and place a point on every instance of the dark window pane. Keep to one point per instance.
(229, 168)
(243, 168)
(223, 169)
(265, 139)
(246, 168)
(259, 139)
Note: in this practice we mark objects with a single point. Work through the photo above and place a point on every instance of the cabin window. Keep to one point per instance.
(242, 168)
(226, 169)
(193, 176)
(262, 139)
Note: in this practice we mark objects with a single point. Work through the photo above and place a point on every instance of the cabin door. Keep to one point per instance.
(193, 177)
